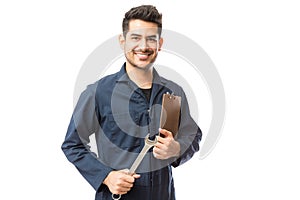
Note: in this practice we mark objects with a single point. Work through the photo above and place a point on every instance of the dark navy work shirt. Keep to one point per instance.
(120, 116)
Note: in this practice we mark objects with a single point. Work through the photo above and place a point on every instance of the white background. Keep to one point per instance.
(255, 46)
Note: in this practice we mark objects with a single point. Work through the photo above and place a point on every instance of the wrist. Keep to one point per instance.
(177, 154)
(105, 181)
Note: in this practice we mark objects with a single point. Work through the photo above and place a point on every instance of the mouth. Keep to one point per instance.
(143, 55)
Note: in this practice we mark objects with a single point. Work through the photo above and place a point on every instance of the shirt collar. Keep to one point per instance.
(123, 77)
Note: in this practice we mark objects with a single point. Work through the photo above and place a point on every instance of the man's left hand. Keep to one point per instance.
(167, 146)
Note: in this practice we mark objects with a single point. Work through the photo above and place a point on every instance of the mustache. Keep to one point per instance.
(149, 51)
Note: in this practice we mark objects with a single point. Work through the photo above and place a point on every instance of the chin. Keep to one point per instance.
(144, 63)
(143, 66)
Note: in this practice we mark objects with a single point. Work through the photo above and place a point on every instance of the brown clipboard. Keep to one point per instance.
(170, 113)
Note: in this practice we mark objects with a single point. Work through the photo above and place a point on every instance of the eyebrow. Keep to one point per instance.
(150, 36)
(134, 34)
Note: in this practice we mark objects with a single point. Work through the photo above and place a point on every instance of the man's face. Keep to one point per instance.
(141, 44)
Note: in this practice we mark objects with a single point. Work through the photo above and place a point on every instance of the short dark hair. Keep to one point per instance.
(146, 13)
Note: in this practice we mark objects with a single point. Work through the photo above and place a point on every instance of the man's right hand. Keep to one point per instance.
(120, 182)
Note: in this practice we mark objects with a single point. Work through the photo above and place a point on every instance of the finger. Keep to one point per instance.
(158, 152)
(128, 178)
(123, 176)
(136, 175)
(120, 190)
(124, 186)
(160, 145)
(165, 132)
(157, 156)
(161, 139)
(125, 181)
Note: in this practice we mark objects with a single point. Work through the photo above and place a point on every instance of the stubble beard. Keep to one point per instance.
(133, 64)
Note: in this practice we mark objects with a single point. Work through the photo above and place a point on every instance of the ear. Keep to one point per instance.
(160, 43)
(122, 41)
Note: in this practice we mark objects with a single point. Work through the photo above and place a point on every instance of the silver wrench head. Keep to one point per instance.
(150, 142)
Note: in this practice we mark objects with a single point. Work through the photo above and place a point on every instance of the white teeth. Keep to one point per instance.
(142, 56)
(142, 53)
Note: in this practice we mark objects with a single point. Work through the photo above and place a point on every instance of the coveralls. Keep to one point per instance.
(120, 116)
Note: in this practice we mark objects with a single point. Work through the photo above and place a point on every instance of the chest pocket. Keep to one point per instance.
(124, 131)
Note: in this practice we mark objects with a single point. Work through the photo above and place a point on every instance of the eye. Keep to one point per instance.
(152, 39)
(135, 38)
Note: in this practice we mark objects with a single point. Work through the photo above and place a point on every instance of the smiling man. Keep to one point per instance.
(121, 110)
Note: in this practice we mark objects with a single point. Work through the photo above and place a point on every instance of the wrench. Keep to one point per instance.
(148, 144)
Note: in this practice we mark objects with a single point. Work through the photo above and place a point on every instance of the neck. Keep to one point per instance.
(142, 77)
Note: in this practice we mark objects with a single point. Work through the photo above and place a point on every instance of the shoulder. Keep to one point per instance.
(174, 87)
(105, 82)
(109, 79)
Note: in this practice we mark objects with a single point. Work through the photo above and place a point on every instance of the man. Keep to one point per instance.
(121, 109)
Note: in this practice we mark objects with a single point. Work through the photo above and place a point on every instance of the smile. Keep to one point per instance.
(142, 56)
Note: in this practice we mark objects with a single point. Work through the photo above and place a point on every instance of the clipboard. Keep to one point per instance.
(170, 112)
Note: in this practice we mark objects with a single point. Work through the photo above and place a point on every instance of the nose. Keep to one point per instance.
(143, 44)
